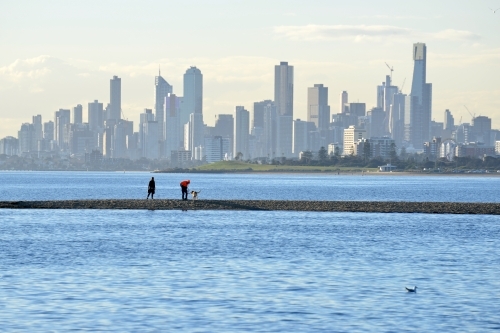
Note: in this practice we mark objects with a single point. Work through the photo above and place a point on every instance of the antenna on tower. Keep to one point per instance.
(159, 70)
(390, 68)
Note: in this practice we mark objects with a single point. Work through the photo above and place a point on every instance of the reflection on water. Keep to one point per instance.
(213, 271)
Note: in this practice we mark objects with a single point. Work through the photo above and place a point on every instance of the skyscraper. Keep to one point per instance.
(77, 114)
(396, 118)
(449, 121)
(241, 132)
(300, 134)
(224, 127)
(419, 102)
(61, 123)
(196, 131)
(27, 140)
(115, 97)
(283, 99)
(258, 113)
(269, 135)
(48, 130)
(343, 101)
(37, 123)
(193, 94)
(162, 89)
(173, 130)
(318, 110)
(95, 116)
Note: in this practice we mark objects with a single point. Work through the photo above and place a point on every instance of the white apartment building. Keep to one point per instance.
(352, 135)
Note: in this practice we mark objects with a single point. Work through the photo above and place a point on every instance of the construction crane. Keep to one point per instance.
(390, 68)
(402, 86)
(472, 115)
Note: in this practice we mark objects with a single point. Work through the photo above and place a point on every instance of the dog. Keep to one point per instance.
(194, 194)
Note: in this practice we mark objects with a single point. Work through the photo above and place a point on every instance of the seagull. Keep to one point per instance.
(410, 290)
(494, 10)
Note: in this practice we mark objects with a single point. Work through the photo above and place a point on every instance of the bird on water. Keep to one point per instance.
(411, 290)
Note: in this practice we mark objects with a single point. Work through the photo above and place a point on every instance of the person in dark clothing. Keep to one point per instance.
(151, 188)
(184, 188)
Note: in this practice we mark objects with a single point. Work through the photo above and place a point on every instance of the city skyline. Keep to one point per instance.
(343, 46)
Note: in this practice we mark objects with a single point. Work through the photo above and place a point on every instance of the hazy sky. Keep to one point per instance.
(57, 54)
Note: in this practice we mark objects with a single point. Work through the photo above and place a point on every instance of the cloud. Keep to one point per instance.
(484, 56)
(367, 33)
(451, 34)
(32, 68)
(329, 32)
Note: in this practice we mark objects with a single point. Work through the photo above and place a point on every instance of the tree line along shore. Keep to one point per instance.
(264, 205)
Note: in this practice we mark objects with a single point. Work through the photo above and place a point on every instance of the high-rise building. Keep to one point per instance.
(300, 134)
(61, 123)
(145, 117)
(449, 121)
(81, 139)
(193, 94)
(377, 116)
(318, 110)
(352, 135)
(481, 128)
(95, 116)
(196, 131)
(121, 131)
(283, 99)
(217, 148)
(396, 118)
(344, 99)
(419, 102)
(9, 146)
(37, 124)
(27, 138)
(77, 114)
(258, 113)
(241, 132)
(151, 140)
(115, 97)
(357, 109)
(224, 126)
(162, 89)
(48, 136)
(270, 131)
(173, 130)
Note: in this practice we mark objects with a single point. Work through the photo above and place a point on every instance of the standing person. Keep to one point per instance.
(184, 188)
(151, 188)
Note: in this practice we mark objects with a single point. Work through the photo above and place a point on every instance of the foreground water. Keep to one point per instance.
(207, 271)
(235, 271)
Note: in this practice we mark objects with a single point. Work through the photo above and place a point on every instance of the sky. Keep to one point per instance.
(57, 53)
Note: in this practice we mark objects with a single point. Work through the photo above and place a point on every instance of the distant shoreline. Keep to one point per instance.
(322, 172)
(264, 205)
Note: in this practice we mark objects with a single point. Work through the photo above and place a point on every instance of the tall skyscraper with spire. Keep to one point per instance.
(283, 99)
(418, 104)
(162, 89)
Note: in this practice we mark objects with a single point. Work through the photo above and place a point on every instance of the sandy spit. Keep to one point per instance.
(266, 205)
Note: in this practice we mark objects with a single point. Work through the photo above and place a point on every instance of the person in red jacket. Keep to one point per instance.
(184, 188)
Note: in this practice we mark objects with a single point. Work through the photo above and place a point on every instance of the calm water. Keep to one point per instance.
(104, 185)
(221, 271)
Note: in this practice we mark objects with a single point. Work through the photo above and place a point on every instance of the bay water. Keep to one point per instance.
(241, 271)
